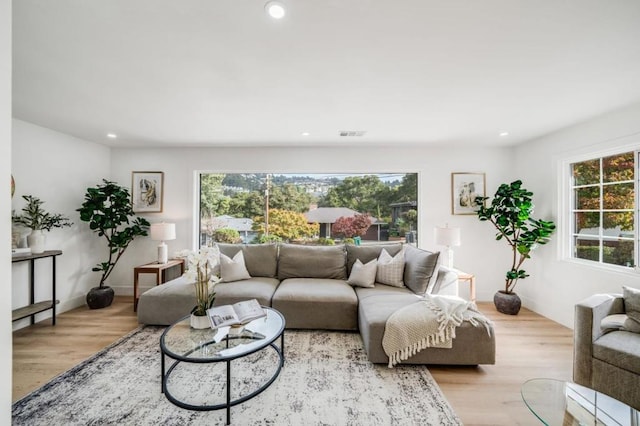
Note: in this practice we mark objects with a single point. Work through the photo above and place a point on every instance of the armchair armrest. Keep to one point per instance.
(589, 313)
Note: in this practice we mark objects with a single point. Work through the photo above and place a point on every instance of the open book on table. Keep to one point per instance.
(236, 314)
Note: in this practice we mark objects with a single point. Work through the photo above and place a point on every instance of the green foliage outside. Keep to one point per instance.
(287, 225)
(226, 235)
(243, 196)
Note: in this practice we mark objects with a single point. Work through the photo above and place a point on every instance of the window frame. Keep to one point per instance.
(567, 208)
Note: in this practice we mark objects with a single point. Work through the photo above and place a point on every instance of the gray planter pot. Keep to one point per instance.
(100, 297)
(507, 303)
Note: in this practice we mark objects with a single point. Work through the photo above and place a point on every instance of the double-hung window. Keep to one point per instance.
(604, 209)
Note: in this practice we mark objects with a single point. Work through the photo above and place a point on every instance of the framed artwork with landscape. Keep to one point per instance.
(146, 191)
(465, 187)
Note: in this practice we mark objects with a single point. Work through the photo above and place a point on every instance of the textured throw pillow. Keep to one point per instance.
(233, 269)
(390, 269)
(363, 274)
(619, 322)
(631, 298)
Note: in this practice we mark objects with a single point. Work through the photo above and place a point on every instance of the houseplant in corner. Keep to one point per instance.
(109, 211)
(37, 219)
(510, 212)
(201, 271)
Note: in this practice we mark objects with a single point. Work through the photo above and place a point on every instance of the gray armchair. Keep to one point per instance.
(607, 360)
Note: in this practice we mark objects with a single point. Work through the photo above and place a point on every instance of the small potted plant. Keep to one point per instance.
(108, 209)
(200, 270)
(510, 212)
(38, 220)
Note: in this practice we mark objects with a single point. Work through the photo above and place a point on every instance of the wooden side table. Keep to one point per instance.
(159, 269)
(471, 279)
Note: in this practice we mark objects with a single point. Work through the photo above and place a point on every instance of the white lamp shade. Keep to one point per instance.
(163, 231)
(446, 236)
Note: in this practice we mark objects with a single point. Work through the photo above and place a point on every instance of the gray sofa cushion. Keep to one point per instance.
(261, 260)
(420, 269)
(260, 288)
(317, 303)
(368, 252)
(296, 261)
(619, 348)
(631, 298)
(167, 303)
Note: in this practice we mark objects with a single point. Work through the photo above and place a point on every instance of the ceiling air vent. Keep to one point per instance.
(352, 132)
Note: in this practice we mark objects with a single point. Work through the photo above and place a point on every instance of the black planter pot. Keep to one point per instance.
(507, 303)
(100, 297)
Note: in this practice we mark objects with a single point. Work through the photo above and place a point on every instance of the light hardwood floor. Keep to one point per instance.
(528, 346)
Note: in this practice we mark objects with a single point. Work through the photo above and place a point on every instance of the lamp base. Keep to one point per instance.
(163, 253)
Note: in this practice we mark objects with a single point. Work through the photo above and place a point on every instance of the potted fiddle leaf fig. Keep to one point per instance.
(109, 210)
(36, 218)
(510, 213)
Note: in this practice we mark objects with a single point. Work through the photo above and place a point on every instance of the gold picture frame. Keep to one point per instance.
(465, 187)
(147, 191)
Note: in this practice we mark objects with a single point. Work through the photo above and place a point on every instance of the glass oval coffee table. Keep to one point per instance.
(555, 402)
(184, 344)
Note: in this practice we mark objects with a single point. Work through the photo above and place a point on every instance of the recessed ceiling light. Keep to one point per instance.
(112, 135)
(275, 9)
(503, 134)
(305, 133)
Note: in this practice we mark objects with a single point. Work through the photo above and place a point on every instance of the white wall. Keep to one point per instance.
(5, 213)
(433, 164)
(57, 168)
(556, 285)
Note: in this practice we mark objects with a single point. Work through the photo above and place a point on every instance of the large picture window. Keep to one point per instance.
(604, 206)
(308, 208)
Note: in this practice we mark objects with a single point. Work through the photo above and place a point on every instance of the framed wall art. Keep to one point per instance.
(147, 191)
(465, 187)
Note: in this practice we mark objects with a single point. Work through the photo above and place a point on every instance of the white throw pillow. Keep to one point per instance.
(390, 270)
(233, 269)
(363, 275)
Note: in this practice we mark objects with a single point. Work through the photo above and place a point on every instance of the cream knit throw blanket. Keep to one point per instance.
(429, 323)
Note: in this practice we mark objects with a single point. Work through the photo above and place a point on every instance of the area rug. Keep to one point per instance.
(326, 380)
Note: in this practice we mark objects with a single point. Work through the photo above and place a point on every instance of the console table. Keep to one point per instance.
(159, 269)
(35, 307)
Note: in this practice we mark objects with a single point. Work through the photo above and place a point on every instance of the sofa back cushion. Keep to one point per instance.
(261, 260)
(367, 253)
(297, 261)
(420, 269)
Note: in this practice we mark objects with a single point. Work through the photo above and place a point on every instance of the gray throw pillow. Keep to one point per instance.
(631, 298)
(390, 269)
(420, 269)
(363, 275)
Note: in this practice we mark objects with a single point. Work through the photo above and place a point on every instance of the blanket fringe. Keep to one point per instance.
(442, 336)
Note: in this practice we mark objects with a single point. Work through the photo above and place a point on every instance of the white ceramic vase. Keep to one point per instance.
(36, 241)
(200, 322)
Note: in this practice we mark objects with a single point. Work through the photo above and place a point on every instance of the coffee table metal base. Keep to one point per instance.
(229, 403)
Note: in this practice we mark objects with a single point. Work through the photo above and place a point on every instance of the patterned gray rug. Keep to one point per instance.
(326, 380)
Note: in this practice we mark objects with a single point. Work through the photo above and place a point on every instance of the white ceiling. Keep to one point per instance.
(408, 72)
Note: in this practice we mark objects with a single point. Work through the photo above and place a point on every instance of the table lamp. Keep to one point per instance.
(449, 237)
(163, 232)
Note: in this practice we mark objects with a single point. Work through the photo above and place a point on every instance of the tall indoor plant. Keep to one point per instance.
(510, 212)
(38, 220)
(109, 210)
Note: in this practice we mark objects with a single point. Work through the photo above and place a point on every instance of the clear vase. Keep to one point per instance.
(36, 241)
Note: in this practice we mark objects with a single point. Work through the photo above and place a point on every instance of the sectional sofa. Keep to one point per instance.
(312, 286)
